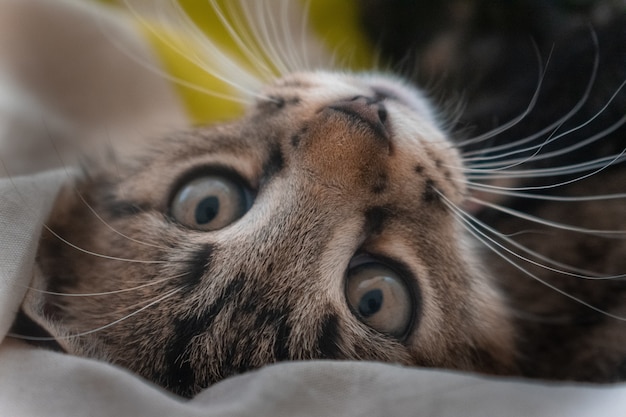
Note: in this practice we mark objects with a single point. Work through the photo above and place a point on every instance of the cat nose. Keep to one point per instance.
(370, 111)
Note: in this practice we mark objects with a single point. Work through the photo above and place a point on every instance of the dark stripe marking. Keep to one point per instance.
(281, 343)
(380, 184)
(295, 140)
(118, 209)
(277, 102)
(276, 319)
(199, 263)
(297, 137)
(274, 163)
(430, 194)
(375, 218)
(180, 376)
(329, 339)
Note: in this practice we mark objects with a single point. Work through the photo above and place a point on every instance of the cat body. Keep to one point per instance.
(345, 173)
(336, 219)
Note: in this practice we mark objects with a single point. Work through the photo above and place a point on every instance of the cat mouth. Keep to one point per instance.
(402, 93)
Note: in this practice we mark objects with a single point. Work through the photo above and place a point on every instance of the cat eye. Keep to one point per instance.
(210, 202)
(379, 297)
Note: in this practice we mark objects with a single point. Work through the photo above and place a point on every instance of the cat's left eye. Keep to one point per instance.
(210, 202)
(380, 298)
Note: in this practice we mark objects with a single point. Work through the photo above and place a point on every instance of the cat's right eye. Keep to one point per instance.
(210, 202)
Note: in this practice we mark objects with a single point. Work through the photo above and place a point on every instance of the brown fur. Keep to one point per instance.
(270, 286)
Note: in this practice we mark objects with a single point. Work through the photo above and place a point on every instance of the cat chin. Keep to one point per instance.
(402, 91)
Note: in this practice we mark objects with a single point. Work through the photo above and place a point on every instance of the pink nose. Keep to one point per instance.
(366, 110)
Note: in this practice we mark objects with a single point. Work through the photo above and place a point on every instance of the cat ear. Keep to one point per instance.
(35, 322)
(42, 303)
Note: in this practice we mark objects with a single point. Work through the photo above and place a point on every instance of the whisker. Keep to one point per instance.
(114, 230)
(99, 255)
(275, 36)
(564, 150)
(219, 58)
(556, 125)
(88, 332)
(230, 67)
(617, 158)
(84, 201)
(293, 58)
(261, 31)
(485, 240)
(568, 270)
(508, 125)
(98, 294)
(304, 25)
(239, 34)
(554, 224)
(532, 196)
(548, 172)
(70, 244)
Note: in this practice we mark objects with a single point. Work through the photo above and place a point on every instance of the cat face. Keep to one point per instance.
(316, 226)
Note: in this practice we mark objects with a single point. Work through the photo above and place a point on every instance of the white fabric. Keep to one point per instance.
(36, 382)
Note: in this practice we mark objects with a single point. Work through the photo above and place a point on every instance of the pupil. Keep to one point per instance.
(207, 210)
(370, 303)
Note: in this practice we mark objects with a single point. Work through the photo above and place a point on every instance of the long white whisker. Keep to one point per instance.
(251, 19)
(556, 225)
(548, 172)
(303, 35)
(98, 294)
(260, 31)
(275, 37)
(567, 269)
(240, 37)
(55, 234)
(555, 125)
(113, 323)
(536, 157)
(293, 58)
(230, 68)
(111, 228)
(618, 157)
(77, 192)
(485, 240)
(99, 255)
(531, 196)
(515, 120)
(218, 57)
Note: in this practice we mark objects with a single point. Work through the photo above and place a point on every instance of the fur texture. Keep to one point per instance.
(337, 168)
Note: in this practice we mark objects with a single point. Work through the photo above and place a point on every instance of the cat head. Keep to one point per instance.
(319, 225)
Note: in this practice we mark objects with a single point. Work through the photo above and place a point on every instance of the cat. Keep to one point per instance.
(340, 218)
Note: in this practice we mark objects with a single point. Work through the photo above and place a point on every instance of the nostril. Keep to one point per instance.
(382, 113)
(366, 112)
(367, 109)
